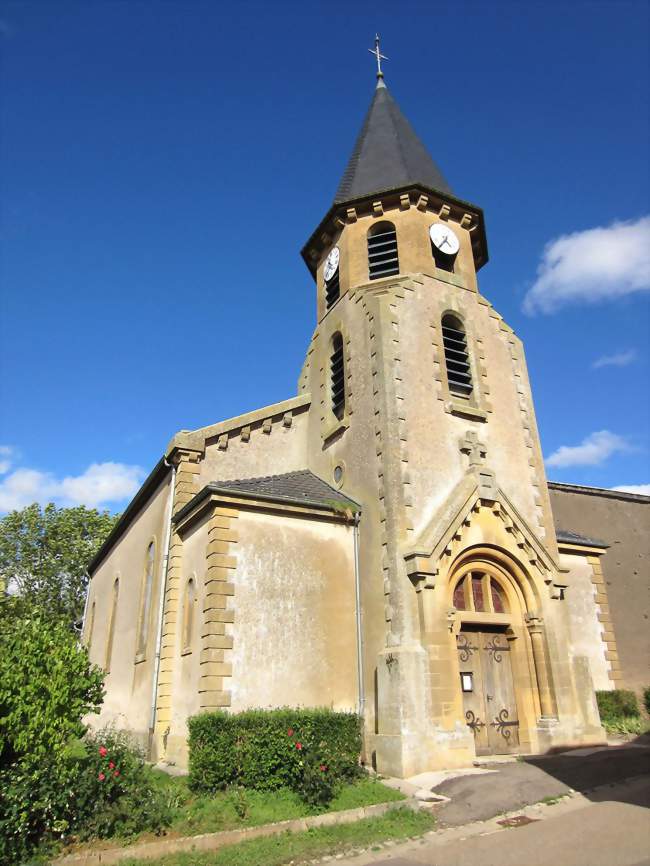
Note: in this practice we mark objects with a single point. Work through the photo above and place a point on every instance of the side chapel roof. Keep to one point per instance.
(388, 154)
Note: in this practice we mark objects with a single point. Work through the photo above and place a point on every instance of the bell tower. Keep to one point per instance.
(422, 412)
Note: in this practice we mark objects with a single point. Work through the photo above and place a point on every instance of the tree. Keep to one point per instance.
(44, 553)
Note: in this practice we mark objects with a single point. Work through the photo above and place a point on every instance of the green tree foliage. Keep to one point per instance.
(44, 553)
(47, 685)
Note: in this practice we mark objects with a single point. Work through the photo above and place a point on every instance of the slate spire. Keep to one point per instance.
(388, 154)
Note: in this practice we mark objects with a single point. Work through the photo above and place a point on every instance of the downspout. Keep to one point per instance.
(85, 613)
(357, 592)
(161, 605)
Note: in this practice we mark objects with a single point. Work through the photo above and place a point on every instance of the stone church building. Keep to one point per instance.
(381, 542)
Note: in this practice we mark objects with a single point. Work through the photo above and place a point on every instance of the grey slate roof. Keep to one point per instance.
(568, 537)
(302, 486)
(388, 154)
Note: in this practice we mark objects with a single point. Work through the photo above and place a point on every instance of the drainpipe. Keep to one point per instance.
(161, 606)
(357, 592)
(85, 613)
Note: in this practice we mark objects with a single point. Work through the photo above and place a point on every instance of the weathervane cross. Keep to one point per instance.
(378, 56)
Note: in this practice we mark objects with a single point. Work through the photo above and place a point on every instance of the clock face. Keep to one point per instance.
(331, 264)
(443, 239)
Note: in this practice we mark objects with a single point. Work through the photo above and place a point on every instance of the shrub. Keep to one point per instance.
(616, 704)
(646, 699)
(100, 788)
(309, 751)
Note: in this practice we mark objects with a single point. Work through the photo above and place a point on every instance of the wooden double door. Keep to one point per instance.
(487, 686)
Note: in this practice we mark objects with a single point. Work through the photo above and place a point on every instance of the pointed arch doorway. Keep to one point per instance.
(489, 611)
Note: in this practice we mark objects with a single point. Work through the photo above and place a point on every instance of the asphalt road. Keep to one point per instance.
(610, 828)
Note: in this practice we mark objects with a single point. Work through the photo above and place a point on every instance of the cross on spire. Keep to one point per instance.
(378, 56)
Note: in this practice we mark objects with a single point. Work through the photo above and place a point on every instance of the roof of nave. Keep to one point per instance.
(388, 154)
(565, 536)
(292, 488)
(302, 486)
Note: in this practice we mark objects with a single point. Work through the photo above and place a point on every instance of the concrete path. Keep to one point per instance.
(611, 827)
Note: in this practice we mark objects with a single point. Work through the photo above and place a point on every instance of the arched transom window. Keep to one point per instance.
(479, 591)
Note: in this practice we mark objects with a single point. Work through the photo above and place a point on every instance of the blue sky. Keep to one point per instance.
(164, 162)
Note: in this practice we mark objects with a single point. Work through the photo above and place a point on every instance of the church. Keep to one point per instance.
(383, 541)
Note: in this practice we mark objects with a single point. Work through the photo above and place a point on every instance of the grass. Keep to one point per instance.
(397, 824)
(551, 801)
(239, 807)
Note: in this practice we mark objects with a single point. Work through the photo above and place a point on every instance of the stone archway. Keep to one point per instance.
(501, 669)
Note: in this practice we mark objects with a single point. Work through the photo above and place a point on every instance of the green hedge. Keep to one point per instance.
(646, 699)
(617, 704)
(270, 749)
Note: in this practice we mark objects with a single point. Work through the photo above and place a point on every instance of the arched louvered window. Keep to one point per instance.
(337, 376)
(145, 604)
(383, 260)
(459, 375)
(111, 625)
(332, 290)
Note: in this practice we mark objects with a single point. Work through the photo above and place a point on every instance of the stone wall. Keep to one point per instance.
(623, 522)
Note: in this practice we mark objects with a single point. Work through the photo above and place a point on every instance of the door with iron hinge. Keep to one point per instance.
(487, 686)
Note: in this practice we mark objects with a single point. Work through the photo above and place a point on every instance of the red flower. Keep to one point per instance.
(290, 732)
(101, 777)
(323, 768)
(103, 751)
(110, 765)
(298, 745)
(116, 773)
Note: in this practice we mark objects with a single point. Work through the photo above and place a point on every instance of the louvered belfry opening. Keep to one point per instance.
(332, 290)
(382, 251)
(337, 376)
(459, 375)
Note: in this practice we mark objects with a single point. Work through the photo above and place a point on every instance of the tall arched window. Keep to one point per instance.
(145, 603)
(383, 260)
(337, 376)
(188, 615)
(91, 626)
(459, 375)
(111, 625)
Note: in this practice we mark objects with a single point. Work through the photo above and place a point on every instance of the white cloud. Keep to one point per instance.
(100, 485)
(619, 359)
(6, 458)
(593, 265)
(592, 451)
(640, 489)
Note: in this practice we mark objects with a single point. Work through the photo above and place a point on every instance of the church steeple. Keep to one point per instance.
(388, 154)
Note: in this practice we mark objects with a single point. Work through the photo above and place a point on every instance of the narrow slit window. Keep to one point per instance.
(383, 260)
(188, 614)
(459, 375)
(145, 605)
(337, 376)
